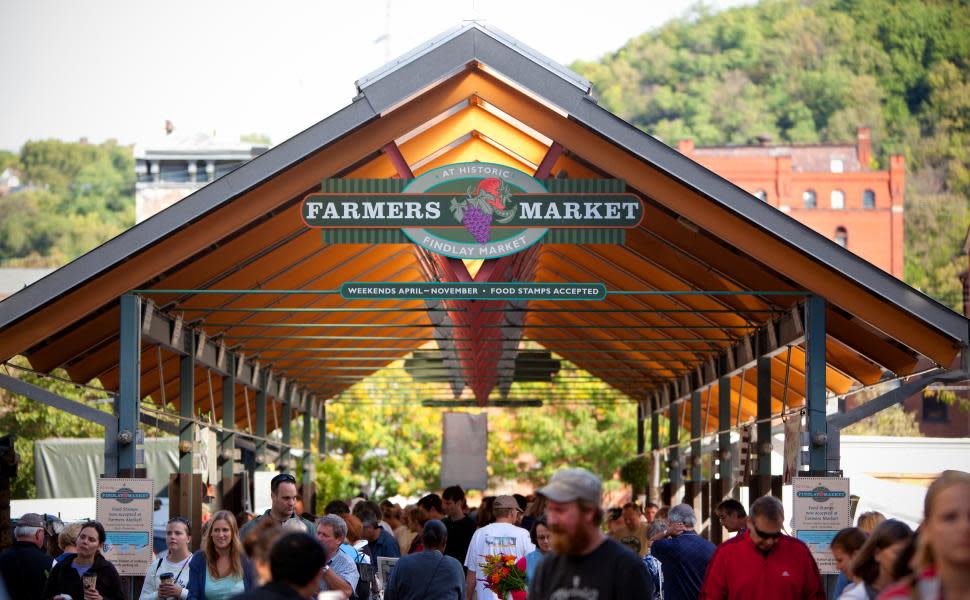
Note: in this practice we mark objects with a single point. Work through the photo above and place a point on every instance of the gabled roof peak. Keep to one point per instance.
(471, 28)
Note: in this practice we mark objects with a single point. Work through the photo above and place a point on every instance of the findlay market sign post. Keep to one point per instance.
(124, 507)
(821, 508)
(473, 211)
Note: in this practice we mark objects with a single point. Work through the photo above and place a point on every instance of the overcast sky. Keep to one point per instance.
(119, 68)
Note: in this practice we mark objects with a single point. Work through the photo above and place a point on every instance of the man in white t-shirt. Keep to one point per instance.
(501, 537)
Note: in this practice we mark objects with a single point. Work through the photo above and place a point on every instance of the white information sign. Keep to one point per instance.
(820, 507)
(124, 507)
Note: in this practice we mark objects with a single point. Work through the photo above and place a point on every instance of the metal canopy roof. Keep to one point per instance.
(686, 321)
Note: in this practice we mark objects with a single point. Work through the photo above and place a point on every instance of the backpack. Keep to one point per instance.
(367, 574)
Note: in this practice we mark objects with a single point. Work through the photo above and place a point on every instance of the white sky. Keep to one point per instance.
(119, 68)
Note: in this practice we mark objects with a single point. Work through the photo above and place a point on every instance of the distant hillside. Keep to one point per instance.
(812, 71)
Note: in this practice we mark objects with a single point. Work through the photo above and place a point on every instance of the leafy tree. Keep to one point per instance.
(808, 72)
(77, 196)
(31, 421)
(893, 421)
(260, 139)
(381, 441)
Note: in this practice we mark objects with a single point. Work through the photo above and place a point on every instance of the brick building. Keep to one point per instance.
(832, 188)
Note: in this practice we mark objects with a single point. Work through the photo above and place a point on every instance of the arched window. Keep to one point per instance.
(838, 199)
(761, 195)
(842, 237)
(808, 199)
(868, 199)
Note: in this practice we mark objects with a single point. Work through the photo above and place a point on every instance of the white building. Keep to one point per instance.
(177, 166)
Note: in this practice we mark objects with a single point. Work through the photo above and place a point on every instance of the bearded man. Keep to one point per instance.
(584, 563)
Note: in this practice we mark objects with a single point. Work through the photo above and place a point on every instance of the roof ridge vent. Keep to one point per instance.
(493, 32)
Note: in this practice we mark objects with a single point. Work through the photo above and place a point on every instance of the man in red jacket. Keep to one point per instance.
(762, 562)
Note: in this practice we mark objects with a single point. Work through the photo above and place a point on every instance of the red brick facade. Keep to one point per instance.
(870, 220)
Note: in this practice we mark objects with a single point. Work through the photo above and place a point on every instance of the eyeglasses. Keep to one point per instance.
(766, 535)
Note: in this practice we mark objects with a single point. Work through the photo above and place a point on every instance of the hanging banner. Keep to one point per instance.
(472, 211)
(464, 448)
(124, 507)
(793, 443)
(820, 508)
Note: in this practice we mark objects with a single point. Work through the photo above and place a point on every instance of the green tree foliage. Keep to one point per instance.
(383, 442)
(893, 421)
(813, 71)
(76, 197)
(30, 421)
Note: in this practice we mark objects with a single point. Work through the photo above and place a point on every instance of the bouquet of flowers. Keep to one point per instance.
(501, 575)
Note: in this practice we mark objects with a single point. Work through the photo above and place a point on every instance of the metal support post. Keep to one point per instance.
(764, 415)
(695, 437)
(307, 454)
(640, 437)
(724, 434)
(129, 387)
(653, 494)
(322, 430)
(228, 441)
(284, 466)
(674, 462)
(815, 382)
(187, 406)
(261, 427)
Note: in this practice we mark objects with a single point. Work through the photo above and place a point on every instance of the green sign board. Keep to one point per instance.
(472, 291)
(473, 211)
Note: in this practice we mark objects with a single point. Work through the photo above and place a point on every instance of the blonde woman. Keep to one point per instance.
(220, 570)
(942, 559)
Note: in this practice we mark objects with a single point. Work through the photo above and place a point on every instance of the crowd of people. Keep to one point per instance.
(562, 540)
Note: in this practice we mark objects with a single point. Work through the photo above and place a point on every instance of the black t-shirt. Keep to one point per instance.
(459, 536)
(611, 572)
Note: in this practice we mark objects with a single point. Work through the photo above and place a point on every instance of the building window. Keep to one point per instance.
(838, 199)
(868, 199)
(836, 166)
(935, 410)
(842, 237)
(761, 195)
(808, 199)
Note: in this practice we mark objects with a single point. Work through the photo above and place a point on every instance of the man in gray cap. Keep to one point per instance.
(584, 563)
(501, 537)
(24, 567)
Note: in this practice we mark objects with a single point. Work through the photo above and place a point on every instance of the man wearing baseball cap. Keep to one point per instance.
(24, 567)
(501, 537)
(584, 563)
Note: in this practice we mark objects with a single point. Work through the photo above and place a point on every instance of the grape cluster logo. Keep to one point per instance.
(489, 199)
(485, 210)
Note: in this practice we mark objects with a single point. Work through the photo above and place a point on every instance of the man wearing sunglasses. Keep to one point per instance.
(282, 493)
(762, 562)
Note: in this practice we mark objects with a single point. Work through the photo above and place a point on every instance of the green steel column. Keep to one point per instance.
(764, 415)
(724, 435)
(227, 439)
(284, 466)
(640, 438)
(815, 382)
(695, 437)
(676, 469)
(307, 442)
(322, 427)
(261, 425)
(129, 385)
(187, 404)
